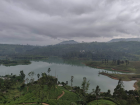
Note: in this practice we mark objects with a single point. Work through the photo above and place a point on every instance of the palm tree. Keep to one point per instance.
(97, 92)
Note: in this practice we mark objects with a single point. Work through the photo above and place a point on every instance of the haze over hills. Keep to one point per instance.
(125, 39)
(68, 42)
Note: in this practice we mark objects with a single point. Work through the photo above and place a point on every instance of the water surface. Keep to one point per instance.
(65, 69)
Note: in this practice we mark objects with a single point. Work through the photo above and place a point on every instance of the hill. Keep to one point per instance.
(68, 42)
(125, 39)
(96, 50)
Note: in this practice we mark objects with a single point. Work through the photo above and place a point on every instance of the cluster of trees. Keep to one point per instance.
(8, 81)
(118, 62)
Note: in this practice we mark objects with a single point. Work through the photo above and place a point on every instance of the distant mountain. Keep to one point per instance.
(68, 42)
(125, 39)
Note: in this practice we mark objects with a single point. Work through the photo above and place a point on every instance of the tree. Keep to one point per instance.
(22, 75)
(84, 87)
(49, 70)
(31, 74)
(63, 83)
(119, 91)
(97, 92)
(118, 62)
(108, 93)
(27, 80)
(38, 75)
(72, 80)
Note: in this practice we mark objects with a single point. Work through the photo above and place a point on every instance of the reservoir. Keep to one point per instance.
(64, 69)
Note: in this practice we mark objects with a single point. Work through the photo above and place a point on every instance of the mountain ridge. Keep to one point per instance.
(125, 39)
(68, 42)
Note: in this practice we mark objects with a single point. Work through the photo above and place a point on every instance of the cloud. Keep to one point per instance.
(40, 21)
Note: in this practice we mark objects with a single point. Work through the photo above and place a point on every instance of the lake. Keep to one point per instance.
(64, 69)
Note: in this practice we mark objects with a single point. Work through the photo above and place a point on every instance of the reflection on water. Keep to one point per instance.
(73, 62)
(64, 69)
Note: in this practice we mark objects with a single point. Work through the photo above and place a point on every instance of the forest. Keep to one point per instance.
(94, 51)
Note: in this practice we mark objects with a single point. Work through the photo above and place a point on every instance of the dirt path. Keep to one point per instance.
(61, 95)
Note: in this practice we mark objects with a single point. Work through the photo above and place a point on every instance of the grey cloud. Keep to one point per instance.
(34, 20)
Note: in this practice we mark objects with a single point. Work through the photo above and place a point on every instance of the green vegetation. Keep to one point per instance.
(18, 90)
(14, 63)
(14, 90)
(138, 85)
(94, 51)
(132, 67)
(119, 66)
(102, 102)
(124, 77)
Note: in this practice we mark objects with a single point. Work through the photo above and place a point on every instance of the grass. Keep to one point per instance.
(138, 84)
(32, 96)
(68, 95)
(102, 102)
(124, 77)
(132, 67)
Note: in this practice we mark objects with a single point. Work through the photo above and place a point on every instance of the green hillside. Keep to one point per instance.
(94, 50)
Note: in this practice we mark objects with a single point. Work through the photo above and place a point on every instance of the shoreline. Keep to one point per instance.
(113, 69)
(112, 77)
(134, 85)
(115, 78)
(108, 68)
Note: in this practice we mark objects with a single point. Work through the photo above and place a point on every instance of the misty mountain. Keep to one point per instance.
(125, 39)
(68, 42)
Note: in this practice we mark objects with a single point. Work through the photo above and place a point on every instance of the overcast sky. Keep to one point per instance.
(45, 22)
